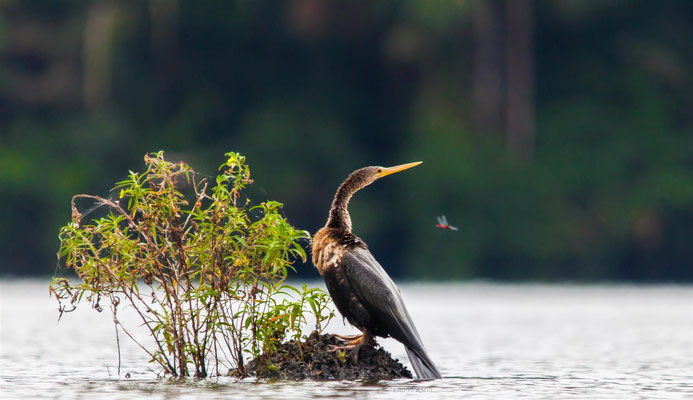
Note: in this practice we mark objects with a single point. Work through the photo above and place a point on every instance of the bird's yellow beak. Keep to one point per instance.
(397, 168)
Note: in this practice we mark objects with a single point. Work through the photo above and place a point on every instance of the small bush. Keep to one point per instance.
(203, 269)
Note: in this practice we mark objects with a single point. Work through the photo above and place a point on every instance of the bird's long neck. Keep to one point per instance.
(339, 215)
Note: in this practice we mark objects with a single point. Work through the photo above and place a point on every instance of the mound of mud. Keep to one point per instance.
(318, 363)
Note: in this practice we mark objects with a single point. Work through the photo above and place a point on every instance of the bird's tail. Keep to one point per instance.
(422, 364)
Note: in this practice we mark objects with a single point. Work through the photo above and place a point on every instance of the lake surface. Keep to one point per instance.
(489, 341)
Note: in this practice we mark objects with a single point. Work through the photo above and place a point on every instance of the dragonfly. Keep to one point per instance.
(443, 223)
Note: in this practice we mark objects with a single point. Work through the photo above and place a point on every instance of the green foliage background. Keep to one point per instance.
(310, 91)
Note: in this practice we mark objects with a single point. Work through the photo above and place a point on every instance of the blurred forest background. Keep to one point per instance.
(557, 135)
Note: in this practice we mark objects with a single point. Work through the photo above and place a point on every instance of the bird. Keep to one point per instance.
(362, 291)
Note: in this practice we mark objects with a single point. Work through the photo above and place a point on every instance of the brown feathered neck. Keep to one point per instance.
(339, 215)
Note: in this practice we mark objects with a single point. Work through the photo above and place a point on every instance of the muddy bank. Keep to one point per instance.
(317, 363)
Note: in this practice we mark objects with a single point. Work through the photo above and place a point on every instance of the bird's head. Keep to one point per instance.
(339, 217)
(367, 175)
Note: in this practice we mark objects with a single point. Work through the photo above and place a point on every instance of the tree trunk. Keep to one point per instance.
(488, 80)
(519, 110)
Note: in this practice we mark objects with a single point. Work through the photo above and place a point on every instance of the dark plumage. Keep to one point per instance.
(360, 288)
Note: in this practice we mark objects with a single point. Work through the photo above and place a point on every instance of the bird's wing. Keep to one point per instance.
(382, 299)
(378, 293)
(440, 220)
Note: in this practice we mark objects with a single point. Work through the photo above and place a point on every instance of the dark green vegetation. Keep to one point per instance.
(311, 90)
(317, 362)
(202, 269)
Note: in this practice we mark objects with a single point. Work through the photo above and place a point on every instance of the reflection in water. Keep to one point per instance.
(490, 341)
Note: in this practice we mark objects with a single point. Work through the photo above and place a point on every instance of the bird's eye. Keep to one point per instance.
(380, 170)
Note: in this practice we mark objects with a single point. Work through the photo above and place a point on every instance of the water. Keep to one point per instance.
(490, 341)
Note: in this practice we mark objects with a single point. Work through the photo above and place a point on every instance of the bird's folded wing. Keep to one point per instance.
(378, 293)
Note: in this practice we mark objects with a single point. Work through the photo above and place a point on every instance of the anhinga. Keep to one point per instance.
(360, 288)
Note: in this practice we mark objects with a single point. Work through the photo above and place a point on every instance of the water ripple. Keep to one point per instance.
(490, 341)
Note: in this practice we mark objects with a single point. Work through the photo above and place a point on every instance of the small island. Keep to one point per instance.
(317, 362)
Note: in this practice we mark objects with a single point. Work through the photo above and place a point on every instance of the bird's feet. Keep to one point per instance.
(349, 344)
(353, 343)
(347, 338)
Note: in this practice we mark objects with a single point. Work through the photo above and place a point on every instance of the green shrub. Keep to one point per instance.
(202, 268)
